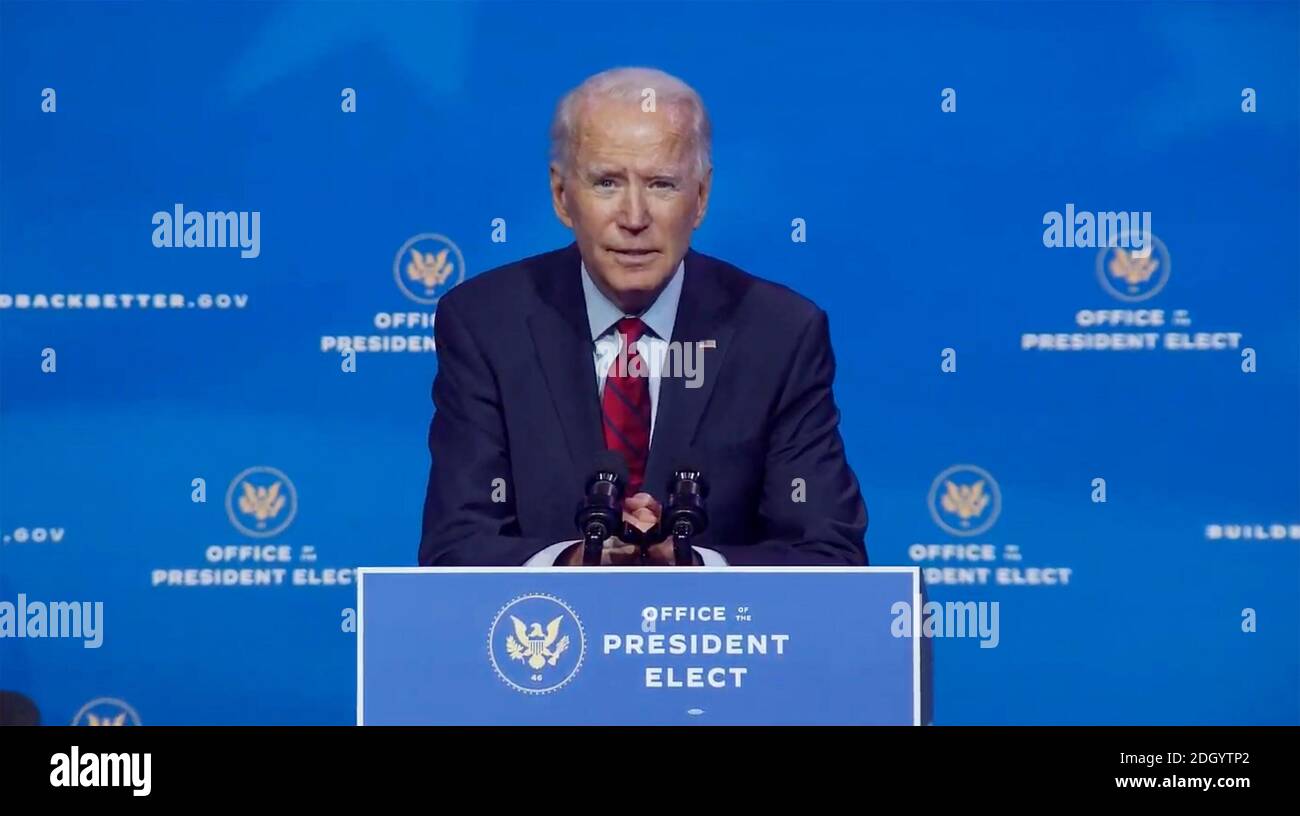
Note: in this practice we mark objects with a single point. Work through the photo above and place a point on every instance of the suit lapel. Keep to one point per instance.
(703, 315)
(562, 338)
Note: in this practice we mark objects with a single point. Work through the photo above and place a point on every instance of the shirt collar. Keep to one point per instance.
(602, 314)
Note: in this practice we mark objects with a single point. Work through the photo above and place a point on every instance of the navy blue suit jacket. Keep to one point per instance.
(515, 398)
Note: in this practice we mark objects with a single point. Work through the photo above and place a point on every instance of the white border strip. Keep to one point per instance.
(612, 570)
(916, 645)
(362, 572)
(361, 652)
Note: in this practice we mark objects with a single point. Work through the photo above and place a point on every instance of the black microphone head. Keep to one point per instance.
(687, 467)
(685, 509)
(605, 465)
(600, 512)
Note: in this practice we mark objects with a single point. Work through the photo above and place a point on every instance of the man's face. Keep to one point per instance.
(632, 195)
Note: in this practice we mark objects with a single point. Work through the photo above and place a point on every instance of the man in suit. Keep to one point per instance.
(630, 340)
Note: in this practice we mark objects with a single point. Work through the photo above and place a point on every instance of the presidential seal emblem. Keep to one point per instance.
(261, 502)
(106, 711)
(427, 266)
(1134, 276)
(964, 500)
(536, 644)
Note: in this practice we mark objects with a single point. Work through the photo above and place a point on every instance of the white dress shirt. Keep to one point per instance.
(659, 319)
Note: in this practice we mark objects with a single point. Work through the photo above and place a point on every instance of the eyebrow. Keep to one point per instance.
(600, 170)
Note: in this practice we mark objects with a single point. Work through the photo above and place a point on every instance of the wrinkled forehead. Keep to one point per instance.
(618, 131)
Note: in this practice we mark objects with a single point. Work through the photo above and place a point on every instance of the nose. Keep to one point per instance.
(633, 214)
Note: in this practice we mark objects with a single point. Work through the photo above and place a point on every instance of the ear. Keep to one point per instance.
(557, 197)
(706, 186)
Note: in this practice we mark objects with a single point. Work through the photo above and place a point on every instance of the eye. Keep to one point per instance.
(605, 183)
(664, 184)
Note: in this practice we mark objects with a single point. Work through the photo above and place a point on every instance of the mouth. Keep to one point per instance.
(634, 257)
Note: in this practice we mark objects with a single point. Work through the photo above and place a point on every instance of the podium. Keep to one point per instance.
(641, 646)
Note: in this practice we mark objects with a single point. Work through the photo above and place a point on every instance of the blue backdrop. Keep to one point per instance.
(924, 233)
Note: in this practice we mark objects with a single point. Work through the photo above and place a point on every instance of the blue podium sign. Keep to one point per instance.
(638, 646)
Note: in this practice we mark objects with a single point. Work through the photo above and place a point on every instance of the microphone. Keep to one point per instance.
(600, 513)
(686, 514)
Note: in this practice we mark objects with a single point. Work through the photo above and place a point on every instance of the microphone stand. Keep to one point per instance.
(686, 513)
(600, 511)
(593, 544)
(683, 555)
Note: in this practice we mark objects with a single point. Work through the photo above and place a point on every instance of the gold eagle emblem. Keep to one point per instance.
(261, 502)
(120, 719)
(429, 269)
(535, 647)
(1131, 269)
(965, 501)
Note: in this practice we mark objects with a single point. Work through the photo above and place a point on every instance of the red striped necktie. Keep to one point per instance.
(626, 403)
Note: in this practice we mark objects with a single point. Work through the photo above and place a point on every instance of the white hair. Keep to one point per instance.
(629, 84)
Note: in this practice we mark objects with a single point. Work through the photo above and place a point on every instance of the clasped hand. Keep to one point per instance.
(642, 512)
